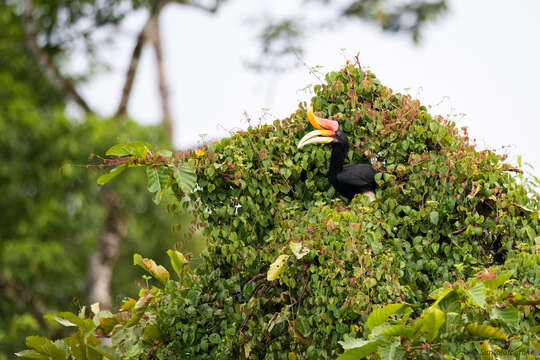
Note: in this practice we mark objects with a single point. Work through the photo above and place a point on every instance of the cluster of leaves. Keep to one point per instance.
(290, 271)
(161, 174)
(491, 306)
(128, 329)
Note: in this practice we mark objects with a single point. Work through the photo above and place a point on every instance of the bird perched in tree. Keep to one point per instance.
(347, 180)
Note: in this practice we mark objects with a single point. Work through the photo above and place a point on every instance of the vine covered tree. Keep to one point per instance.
(37, 40)
(293, 271)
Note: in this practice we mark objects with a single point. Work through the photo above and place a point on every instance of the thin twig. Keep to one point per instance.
(460, 231)
(257, 277)
(210, 9)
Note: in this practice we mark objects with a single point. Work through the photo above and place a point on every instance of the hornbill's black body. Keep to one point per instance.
(347, 180)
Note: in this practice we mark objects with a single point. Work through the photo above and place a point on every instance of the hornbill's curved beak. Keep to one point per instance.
(325, 127)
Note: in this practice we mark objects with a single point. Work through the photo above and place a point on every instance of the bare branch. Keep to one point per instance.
(45, 62)
(155, 38)
(133, 65)
(210, 9)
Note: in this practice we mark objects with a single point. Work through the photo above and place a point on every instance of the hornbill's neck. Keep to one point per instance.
(337, 159)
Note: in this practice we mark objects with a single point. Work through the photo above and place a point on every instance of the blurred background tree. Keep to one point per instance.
(60, 233)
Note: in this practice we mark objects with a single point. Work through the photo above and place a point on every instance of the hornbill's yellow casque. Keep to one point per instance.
(347, 180)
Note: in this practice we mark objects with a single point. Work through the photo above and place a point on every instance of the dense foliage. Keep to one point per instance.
(444, 212)
(53, 213)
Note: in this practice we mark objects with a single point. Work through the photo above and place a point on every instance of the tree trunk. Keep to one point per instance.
(104, 257)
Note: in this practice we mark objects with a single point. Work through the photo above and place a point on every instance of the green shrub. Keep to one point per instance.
(444, 211)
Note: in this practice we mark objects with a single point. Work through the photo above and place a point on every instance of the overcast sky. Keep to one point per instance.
(481, 63)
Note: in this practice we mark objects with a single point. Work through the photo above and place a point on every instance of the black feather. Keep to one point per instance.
(348, 180)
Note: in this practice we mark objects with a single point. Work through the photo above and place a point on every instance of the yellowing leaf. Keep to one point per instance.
(277, 267)
(128, 304)
(178, 260)
(95, 308)
(157, 271)
(486, 331)
(298, 250)
(485, 352)
(377, 317)
(432, 320)
(136, 148)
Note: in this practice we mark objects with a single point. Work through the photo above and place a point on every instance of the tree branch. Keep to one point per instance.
(134, 63)
(210, 9)
(155, 38)
(45, 62)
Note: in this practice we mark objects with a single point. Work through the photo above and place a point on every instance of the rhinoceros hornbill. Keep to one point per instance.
(347, 180)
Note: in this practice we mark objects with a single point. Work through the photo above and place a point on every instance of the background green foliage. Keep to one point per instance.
(444, 212)
(52, 212)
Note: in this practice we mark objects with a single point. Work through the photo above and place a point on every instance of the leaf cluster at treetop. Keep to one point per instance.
(443, 212)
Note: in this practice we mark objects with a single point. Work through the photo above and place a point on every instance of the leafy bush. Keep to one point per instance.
(490, 306)
(444, 211)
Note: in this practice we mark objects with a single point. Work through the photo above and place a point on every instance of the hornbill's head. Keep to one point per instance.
(327, 132)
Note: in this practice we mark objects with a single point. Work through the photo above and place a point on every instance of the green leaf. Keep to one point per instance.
(59, 320)
(70, 319)
(530, 233)
(434, 217)
(397, 330)
(377, 317)
(178, 261)
(157, 271)
(46, 347)
(391, 351)
(501, 278)
(478, 294)
(166, 153)
(357, 349)
(150, 332)
(185, 177)
(77, 345)
(31, 354)
(136, 148)
(432, 319)
(509, 315)
(277, 267)
(106, 351)
(91, 354)
(157, 181)
(105, 178)
(486, 331)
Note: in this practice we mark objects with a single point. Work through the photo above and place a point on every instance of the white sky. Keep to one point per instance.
(481, 60)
